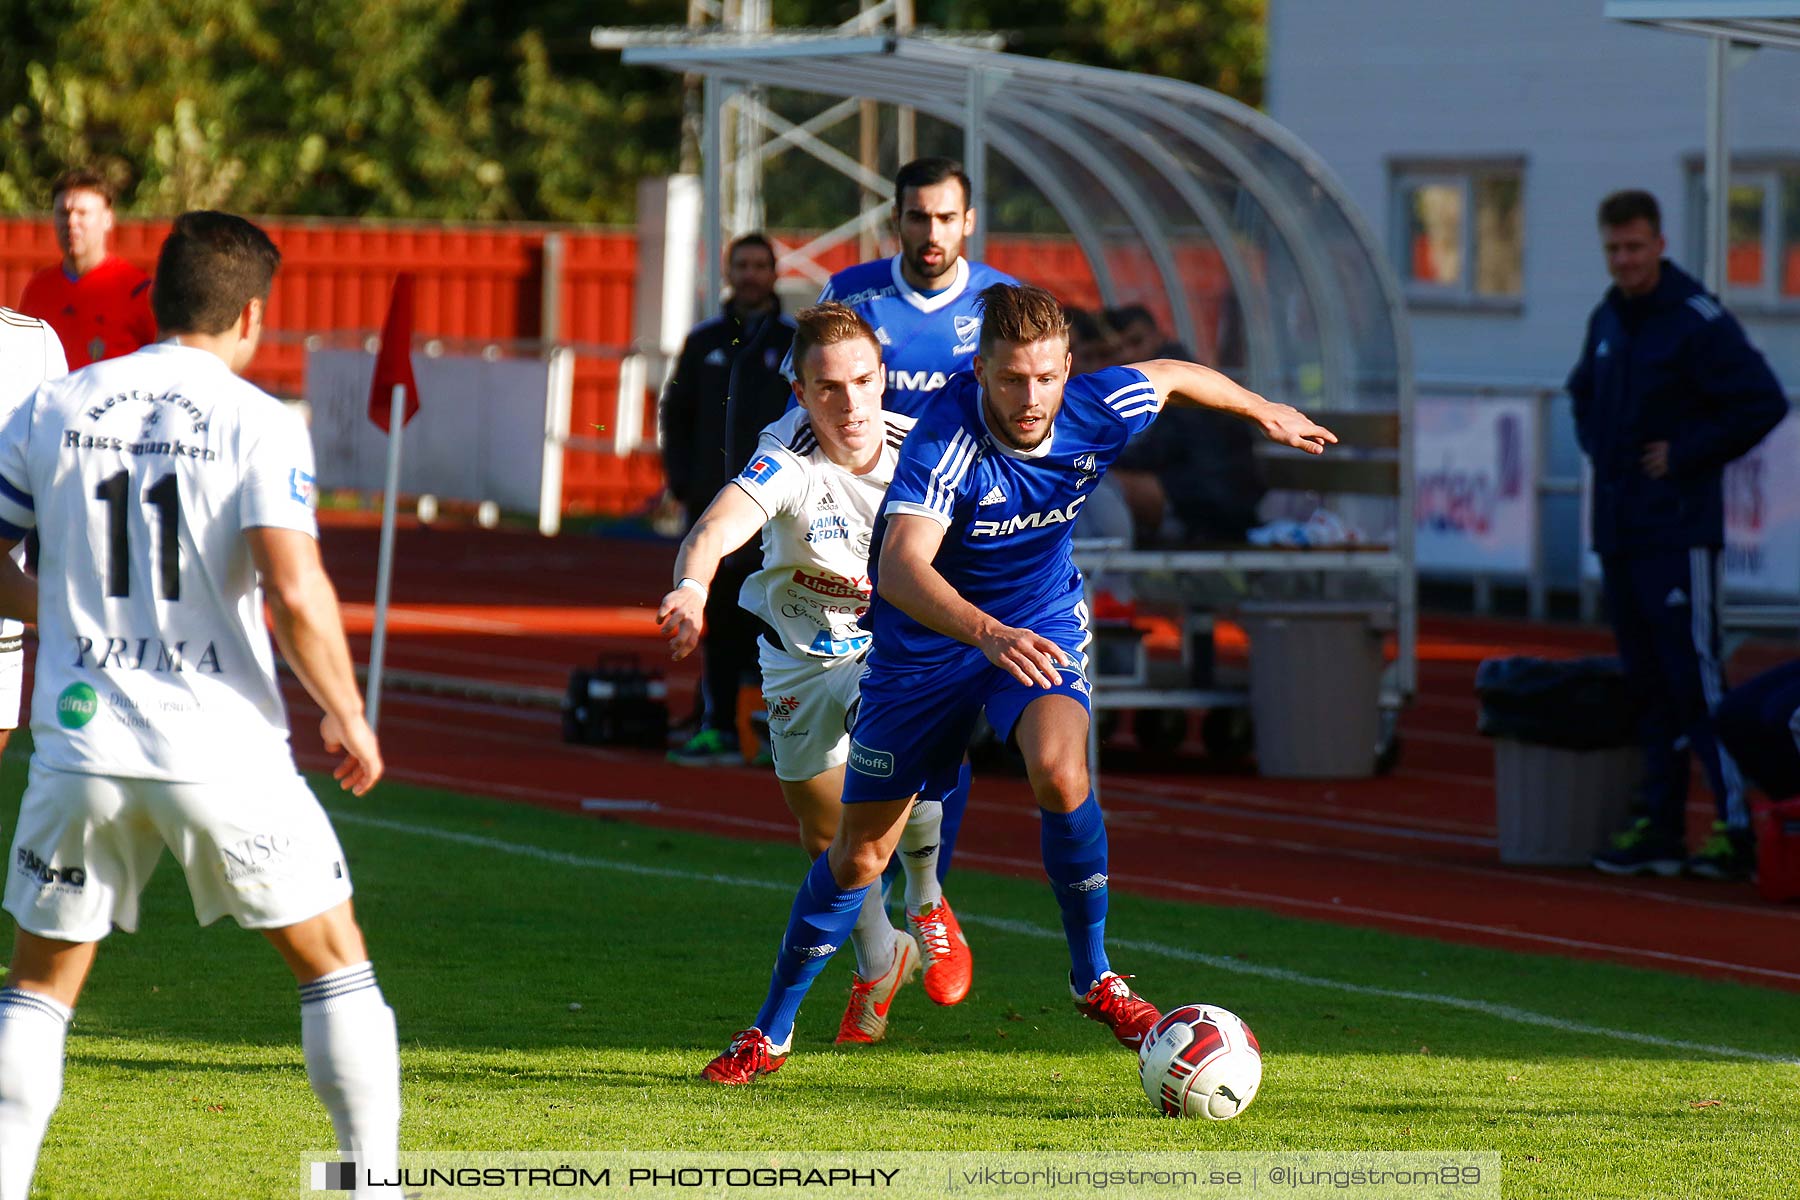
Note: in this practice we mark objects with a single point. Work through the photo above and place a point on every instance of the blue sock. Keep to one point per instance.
(820, 922)
(1075, 860)
(955, 801)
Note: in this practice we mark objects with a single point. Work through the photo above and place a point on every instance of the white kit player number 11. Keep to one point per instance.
(165, 497)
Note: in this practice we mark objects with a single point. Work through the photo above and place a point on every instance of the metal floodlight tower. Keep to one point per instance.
(739, 133)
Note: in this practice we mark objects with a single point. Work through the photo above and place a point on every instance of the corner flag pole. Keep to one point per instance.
(384, 569)
(393, 380)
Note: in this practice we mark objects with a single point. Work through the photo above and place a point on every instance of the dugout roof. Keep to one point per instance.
(1176, 195)
(1750, 22)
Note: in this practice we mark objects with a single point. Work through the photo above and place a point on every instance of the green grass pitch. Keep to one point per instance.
(488, 921)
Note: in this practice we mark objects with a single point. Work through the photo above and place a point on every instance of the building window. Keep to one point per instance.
(1762, 233)
(1459, 231)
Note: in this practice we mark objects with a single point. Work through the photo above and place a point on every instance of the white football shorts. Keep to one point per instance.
(809, 701)
(12, 672)
(262, 851)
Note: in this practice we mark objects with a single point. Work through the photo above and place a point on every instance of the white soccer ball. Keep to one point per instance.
(1202, 1061)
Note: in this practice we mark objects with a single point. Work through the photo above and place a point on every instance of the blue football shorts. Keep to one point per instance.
(914, 722)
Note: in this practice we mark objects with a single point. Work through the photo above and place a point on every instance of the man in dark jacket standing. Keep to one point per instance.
(727, 385)
(1668, 391)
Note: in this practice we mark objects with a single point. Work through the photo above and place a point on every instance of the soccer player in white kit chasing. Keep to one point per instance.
(813, 488)
(173, 498)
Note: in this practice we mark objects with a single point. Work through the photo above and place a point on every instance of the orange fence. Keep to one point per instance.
(486, 284)
(482, 284)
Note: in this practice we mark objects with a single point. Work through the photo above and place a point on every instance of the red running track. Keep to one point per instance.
(1411, 852)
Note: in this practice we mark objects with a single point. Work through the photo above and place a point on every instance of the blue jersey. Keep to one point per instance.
(1007, 514)
(924, 339)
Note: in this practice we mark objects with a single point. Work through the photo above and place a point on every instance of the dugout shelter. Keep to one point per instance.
(1177, 197)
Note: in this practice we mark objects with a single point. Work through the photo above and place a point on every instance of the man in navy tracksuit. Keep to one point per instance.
(1666, 393)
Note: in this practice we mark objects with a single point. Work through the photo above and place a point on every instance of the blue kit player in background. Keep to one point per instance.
(978, 606)
(923, 303)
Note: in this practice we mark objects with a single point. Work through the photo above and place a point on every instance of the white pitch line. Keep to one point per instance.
(1503, 1012)
(1266, 900)
(1597, 884)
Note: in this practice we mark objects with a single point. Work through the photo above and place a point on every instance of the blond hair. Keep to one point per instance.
(1020, 314)
(826, 325)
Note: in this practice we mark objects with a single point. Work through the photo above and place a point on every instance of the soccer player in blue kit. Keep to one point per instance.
(923, 303)
(978, 605)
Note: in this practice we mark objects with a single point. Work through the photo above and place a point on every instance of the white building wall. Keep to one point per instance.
(1590, 105)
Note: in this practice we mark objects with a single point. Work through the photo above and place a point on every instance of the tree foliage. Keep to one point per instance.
(460, 109)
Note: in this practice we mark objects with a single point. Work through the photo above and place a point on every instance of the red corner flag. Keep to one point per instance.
(394, 363)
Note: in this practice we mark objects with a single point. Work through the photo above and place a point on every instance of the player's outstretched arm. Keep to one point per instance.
(1202, 387)
(909, 582)
(310, 631)
(728, 522)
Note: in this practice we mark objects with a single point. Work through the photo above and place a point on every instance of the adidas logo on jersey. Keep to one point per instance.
(994, 496)
(717, 358)
(1013, 524)
(881, 335)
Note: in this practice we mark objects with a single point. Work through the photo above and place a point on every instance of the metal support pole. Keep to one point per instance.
(746, 164)
(975, 160)
(712, 184)
(550, 321)
(1537, 584)
(906, 139)
(1718, 165)
(869, 155)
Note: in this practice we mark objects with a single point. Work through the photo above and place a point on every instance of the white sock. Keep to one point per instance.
(353, 1061)
(32, 1030)
(872, 935)
(919, 854)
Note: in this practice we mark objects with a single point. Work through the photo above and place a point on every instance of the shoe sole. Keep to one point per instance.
(1133, 1042)
(1661, 868)
(706, 1078)
(734, 1082)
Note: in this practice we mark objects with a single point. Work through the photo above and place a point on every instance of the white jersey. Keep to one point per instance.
(29, 355)
(813, 588)
(142, 474)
